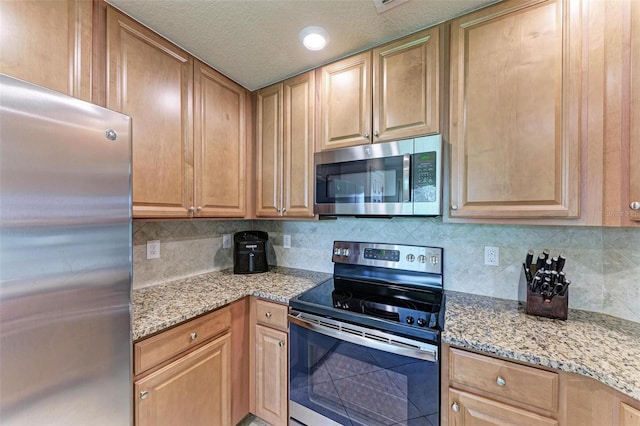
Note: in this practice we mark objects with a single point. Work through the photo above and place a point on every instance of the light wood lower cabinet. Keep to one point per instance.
(478, 389)
(270, 370)
(194, 390)
(469, 409)
(183, 374)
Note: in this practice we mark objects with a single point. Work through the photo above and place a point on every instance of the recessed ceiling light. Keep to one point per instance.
(314, 38)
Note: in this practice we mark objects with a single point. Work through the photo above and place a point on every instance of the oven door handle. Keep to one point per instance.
(370, 338)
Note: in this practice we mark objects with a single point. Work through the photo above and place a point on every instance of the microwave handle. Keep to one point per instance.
(406, 169)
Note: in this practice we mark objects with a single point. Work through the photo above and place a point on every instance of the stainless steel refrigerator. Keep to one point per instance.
(65, 260)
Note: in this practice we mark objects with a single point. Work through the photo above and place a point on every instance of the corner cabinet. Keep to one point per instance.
(271, 360)
(189, 146)
(284, 148)
(515, 111)
(388, 93)
(49, 43)
(182, 375)
(618, 52)
(220, 144)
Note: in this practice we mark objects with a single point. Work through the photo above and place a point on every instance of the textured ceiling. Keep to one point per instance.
(255, 42)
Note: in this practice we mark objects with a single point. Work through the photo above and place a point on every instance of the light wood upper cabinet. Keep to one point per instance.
(151, 80)
(406, 87)
(284, 148)
(220, 144)
(49, 43)
(189, 121)
(616, 29)
(389, 93)
(515, 111)
(345, 102)
(268, 151)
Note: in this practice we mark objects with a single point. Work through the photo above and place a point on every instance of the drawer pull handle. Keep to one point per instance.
(500, 381)
(268, 315)
(144, 394)
(455, 407)
(194, 335)
(281, 343)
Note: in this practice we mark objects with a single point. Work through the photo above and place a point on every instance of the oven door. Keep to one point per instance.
(342, 374)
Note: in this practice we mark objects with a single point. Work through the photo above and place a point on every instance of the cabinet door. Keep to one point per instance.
(345, 102)
(271, 375)
(194, 390)
(634, 138)
(151, 80)
(406, 87)
(220, 144)
(467, 409)
(515, 111)
(298, 145)
(629, 416)
(268, 151)
(48, 43)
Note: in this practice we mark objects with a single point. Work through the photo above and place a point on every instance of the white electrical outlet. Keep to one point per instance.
(153, 249)
(286, 241)
(226, 241)
(491, 256)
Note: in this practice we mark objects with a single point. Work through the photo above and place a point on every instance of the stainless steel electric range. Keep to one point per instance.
(364, 345)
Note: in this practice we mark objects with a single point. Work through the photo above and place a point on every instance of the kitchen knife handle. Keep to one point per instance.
(561, 260)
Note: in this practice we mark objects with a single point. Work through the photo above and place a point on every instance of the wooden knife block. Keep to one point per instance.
(535, 304)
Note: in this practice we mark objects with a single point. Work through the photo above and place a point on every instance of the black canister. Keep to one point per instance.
(250, 252)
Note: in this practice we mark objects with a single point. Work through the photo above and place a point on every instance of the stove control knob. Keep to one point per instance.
(345, 305)
(410, 258)
(422, 258)
(338, 304)
(422, 322)
(337, 251)
(345, 252)
(409, 320)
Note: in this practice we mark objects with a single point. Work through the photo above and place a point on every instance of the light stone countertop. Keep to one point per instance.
(594, 345)
(161, 306)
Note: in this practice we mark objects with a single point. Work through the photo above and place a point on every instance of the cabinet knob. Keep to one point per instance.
(281, 343)
(454, 207)
(635, 205)
(284, 209)
(199, 209)
(366, 135)
(268, 315)
(455, 407)
(500, 381)
(194, 335)
(376, 134)
(191, 210)
(144, 394)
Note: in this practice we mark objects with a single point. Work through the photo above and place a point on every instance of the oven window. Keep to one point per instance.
(354, 385)
(376, 180)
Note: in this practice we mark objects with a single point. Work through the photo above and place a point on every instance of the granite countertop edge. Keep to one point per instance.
(493, 326)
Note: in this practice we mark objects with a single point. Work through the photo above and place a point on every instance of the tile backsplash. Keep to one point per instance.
(602, 263)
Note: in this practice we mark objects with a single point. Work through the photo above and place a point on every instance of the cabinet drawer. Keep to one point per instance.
(528, 385)
(271, 314)
(159, 348)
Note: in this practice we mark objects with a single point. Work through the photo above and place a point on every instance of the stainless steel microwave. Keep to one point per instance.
(401, 178)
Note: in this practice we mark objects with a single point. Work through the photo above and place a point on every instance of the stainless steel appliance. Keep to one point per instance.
(250, 252)
(401, 178)
(65, 260)
(364, 345)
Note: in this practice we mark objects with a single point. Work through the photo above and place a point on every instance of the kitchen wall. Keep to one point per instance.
(602, 263)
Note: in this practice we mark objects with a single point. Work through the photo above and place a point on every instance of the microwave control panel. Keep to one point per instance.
(425, 176)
